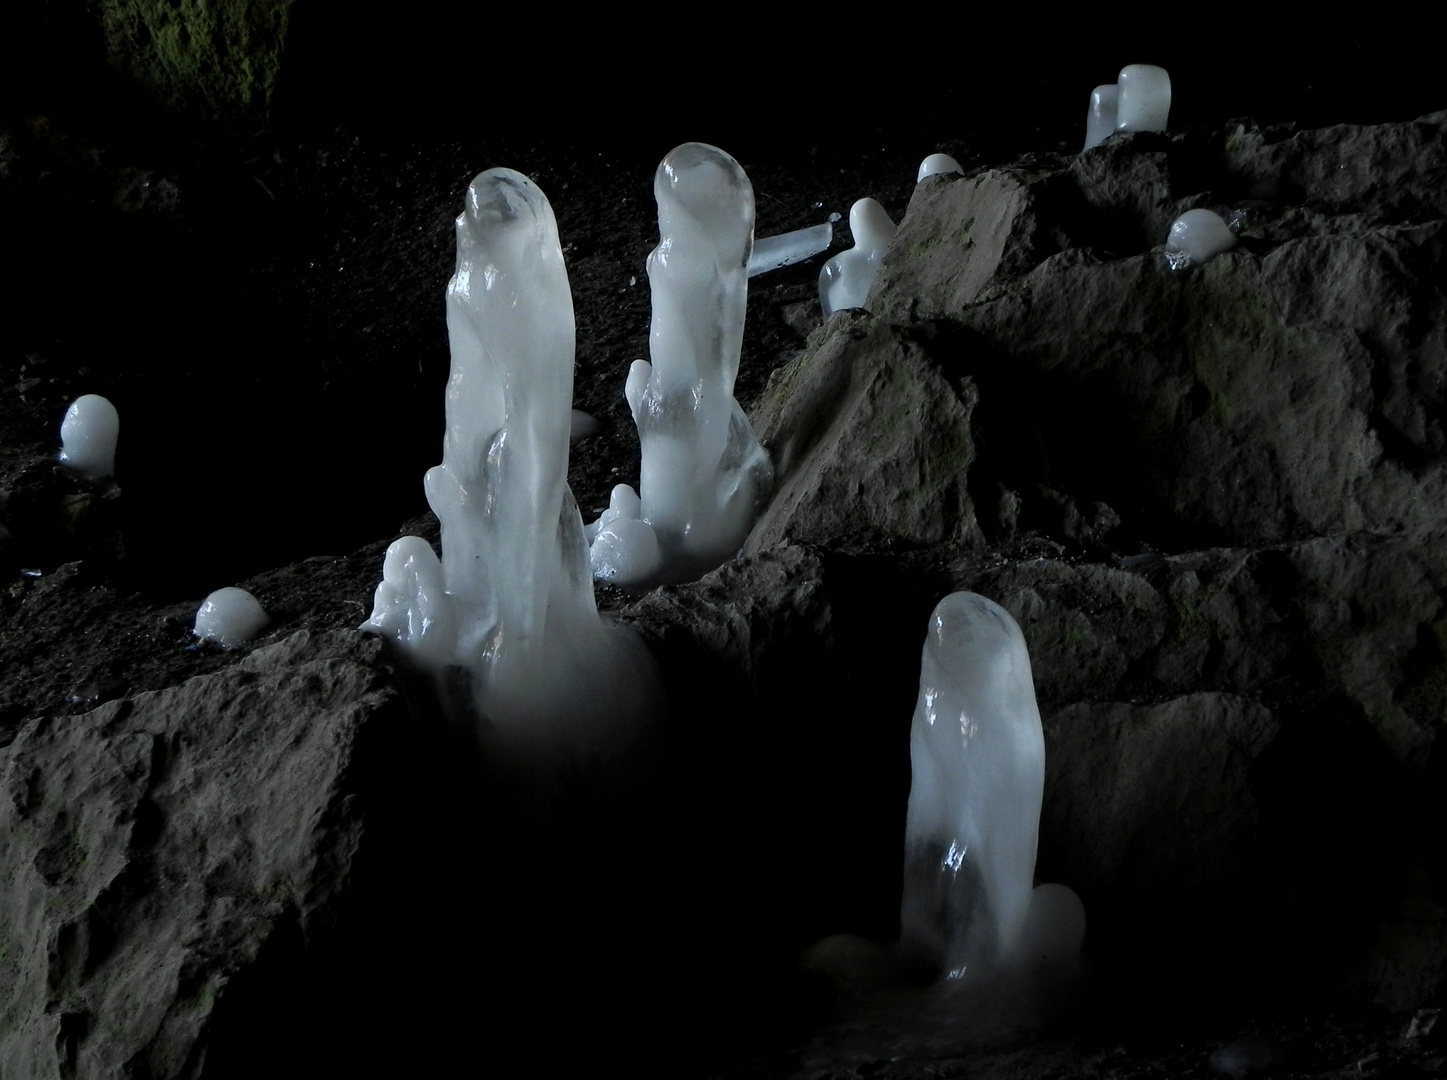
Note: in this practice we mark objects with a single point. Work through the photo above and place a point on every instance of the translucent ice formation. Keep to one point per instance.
(703, 471)
(230, 617)
(1196, 237)
(1100, 116)
(785, 249)
(1143, 100)
(977, 755)
(511, 601)
(847, 278)
(411, 606)
(88, 436)
(937, 165)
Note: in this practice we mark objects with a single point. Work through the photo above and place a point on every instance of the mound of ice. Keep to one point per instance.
(937, 165)
(230, 617)
(703, 473)
(977, 756)
(88, 436)
(847, 278)
(1197, 237)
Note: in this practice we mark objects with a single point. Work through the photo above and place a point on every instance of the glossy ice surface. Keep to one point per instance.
(88, 436)
(230, 617)
(1198, 236)
(847, 278)
(703, 472)
(1144, 98)
(977, 759)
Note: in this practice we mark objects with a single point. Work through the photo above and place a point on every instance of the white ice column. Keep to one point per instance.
(703, 471)
(977, 758)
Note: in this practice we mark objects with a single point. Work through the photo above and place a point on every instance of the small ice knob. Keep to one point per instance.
(1143, 99)
(1100, 117)
(1198, 236)
(230, 617)
(938, 165)
(88, 436)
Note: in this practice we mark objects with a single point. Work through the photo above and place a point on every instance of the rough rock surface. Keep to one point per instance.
(154, 847)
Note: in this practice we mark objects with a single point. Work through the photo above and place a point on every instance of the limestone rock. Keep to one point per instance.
(870, 439)
(156, 846)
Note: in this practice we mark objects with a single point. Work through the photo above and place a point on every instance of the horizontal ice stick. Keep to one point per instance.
(772, 252)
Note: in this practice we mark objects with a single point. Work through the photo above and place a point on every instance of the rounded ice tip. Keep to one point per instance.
(88, 436)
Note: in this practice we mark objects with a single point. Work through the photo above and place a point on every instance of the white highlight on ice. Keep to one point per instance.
(938, 165)
(977, 756)
(1100, 115)
(703, 473)
(1197, 237)
(847, 278)
(1144, 98)
(785, 249)
(230, 617)
(511, 600)
(88, 436)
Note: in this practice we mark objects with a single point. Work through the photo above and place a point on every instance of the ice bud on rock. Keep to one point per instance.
(1143, 100)
(847, 278)
(411, 605)
(977, 759)
(1196, 237)
(88, 436)
(230, 617)
(1100, 116)
(937, 165)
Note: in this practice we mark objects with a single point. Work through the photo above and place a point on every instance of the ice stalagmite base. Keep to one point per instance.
(515, 610)
(704, 473)
(977, 755)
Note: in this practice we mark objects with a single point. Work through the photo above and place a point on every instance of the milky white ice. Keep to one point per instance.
(88, 436)
(1196, 237)
(785, 249)
(977, 760)
(847, 278)
(703, 473)
(1143, 98)
(230, 617)
(511, 600)
(938, 165)
(1100, 115)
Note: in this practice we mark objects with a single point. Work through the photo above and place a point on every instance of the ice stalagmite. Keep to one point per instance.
(977, 755)
(517, 610)
(703, 471)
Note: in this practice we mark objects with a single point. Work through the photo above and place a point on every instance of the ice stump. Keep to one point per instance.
(704, 473)
(511, 600)
(847, 278)
(1143, 98)
(977, 757)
